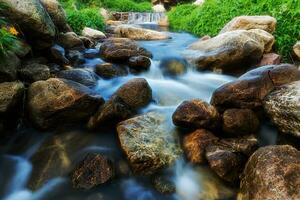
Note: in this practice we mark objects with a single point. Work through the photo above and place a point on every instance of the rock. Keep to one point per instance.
(139, 63)
(250, 89)
(272, 172)
(35, 60)
(88, 43)
(33, 20)
(121, 49)
(93, 171)
(124, 103)
(11, 97)
(109, 70)
(164, 184)
(245, 145)
(105, 14)
(8, 68)
(296, 49)
(148, 143)
(158, 8)
(70, 40)
(164, 22)
(266, 23)
(57, 14)
(59, 55)
(58, 100)
(196, 114)
(283, 107)
(269, 59)
(199, 2)
(173, 66)
(82, 76)
(237, 122)
(114, 23)
(138, 33)
(34, 72)
(75, 57)
(233, 51)
(195, 143)
(24, 49)
(92, 34)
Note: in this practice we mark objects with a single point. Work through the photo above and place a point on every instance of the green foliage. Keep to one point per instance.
(127, 5)
(210, 18)
(90, 17)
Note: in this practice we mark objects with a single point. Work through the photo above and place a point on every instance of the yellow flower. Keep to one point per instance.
(13, 30)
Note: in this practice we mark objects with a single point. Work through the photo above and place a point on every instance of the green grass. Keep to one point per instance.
(210, 18)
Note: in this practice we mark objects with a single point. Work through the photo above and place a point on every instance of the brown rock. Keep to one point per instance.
(269, 59)
(70, 40)
(245, 145)
(109, 70)
(93, 171)
(8, 67)
(139, 63)
(34, 72)
(296, 49)
(82, 76)
(196, 114)
(272, 172)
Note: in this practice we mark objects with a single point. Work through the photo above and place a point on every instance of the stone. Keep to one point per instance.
(75, 57)
(148, 143)
(88, 43)
(196, 114)
(34, 72)
(23, 50)
(296, 49)
(231, 52)
(105, 14)
(199, 2)
(266, 23)
(139, 63)
(93, 171)
(158, 8)
(138, 33)
(237, 122)
(70, 40)
(8, 68)
(109, 70)
(269, 59)
(195, 143)
(82, 76)
(121, 49)
(164, 22)
(272, 172)
(55, 100)
(33, 20)
(11, 97)
(173, 66)
(283, 107)
(59, 55)
(92, 34)
(164, 184)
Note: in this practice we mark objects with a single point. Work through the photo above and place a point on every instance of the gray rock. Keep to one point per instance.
(82, 76)
(11, 96)
(34, 72)
(8, 68)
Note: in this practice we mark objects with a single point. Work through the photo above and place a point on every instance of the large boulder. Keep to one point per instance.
(121, 49)
(70, 40)
(33, 20)
(249, 90)
(59, 100)
(272, 172)
(196, 114)
(266, 23)
(233, 51)
(8, 68)
(130, 97)
(138, 33)
(283, 107)
(11, 96)
(148, 142)
(34, 72)
(92, 34)
(57, 14)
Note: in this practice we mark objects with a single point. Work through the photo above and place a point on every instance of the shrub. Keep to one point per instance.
(127, 5)
(214, 14)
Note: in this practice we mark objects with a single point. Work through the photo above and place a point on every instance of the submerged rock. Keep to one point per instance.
(82, 76)
(34, 72)
(11, 97)
(59, 100)
(138, 33)
(109, 70)
(148, 142)
(173, 66)
(196, 114)
(283, 107)
(272, 172)
(266, 23)
(93, 171)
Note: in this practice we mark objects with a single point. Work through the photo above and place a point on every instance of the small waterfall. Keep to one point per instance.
(140, 18)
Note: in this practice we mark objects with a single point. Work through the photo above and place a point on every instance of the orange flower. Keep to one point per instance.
(13, 30)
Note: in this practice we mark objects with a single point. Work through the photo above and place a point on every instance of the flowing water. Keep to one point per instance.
(20, 166)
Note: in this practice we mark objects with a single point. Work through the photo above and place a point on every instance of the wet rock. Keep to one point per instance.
(88, 43)
(35, 60)
(8, 68)
(121, 49)
(250, 89)
(33, 20)
(231, 52)
(139, 63)
(11, 97)
(34, 72)
(245, 145)
(266, 23)
(237, 122)
(70, 40)
(75, 57)
(270, 59)
(82, 76)
(164, 184)
(93, 171)
(55, 100)
(148, 143)
(196, 114)
(24, 49)
(130, 97)
(296, 49)
(109, 70)
(173, 66)
(138, 33)
(92, 34)
(283, 106)
(59, 55)
(57, 14)
(272, 172)
(195, 143)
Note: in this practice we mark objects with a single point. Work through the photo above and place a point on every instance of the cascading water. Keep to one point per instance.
(141, 17)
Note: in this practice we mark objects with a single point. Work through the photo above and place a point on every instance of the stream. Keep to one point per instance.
(21, 164)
